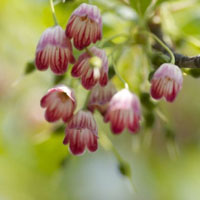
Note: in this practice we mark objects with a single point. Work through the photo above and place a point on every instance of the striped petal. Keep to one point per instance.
(84, 26)
(166, 82)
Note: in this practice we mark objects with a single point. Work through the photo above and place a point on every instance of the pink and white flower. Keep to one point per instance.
(60, 103)
(85, 26)
(55, 50)
(87, 72)
(100, 97)
(124, 112)
(166, 82)
(81, 132)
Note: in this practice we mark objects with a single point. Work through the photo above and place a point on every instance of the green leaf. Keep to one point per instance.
(124, 169)
(30, 67)
(149, 119)
(146, 101)
(140, 6)
(58, 79)
(111, 72)
(195, 73)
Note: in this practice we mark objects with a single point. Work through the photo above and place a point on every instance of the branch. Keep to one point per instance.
(180, 60)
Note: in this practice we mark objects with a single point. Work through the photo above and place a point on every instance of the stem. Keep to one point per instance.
(119, 76)
(86, 101)
(164, 46)
(89, 52)
(113, 37)
(53, 12)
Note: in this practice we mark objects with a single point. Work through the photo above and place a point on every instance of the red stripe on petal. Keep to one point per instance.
(92, 142)
(133, 123)
(88, 80)
(171, 95)
(67, 138)
(59, 61)
(52, 115)
(79, 68)
(103, 79)
(117, 122)
(157, 88)
(77, 143)
(42, 60)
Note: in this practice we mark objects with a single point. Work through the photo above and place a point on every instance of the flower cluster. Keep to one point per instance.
(121, 109)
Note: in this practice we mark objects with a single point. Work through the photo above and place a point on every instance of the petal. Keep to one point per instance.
(133, 122)
(80, 68)
(88, 80)
(42, 59)
(92, 142)
(172, 92)
(59, 60)
(77, 143)
(156, 88)
(103, 79)
(48, 98)
(117, 122)
(68, 110)
(52, 115)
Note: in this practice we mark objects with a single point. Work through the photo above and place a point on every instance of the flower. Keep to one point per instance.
(89, 73)
(60, 103)
(100, 97)
(166, 82)
(124, 112)
(85, 26)
(55, 50)
(81, 131)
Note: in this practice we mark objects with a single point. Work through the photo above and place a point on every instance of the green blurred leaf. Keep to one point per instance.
(30, 67)
(146, 101)
(51, 153)
(195, 73)
(149, 119)
(159, 58)
(140, 5)
(124, 169)
(169, 132)
(59, 129)
(111, 72)
(58, 79)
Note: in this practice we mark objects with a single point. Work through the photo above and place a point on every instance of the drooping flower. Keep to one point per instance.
(60, 103)
(55, 50)
(166, 82)
(89, 74)
(124, 112)
(81, 132)
(85, 26)
(100, 97)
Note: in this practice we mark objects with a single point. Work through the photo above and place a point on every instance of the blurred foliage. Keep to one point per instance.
(34, 164)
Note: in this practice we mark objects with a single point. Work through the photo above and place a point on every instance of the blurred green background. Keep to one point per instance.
(34, 164)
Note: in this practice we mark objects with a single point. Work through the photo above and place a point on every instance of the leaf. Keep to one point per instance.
(195, 73)
(30, 67)
(149, 119)
(140, 5)
(111, 72)
(146, 101)
(58, 79)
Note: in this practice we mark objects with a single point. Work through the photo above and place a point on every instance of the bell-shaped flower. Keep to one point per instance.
(60, 103)
(85, 26)
(54, 49)
(100, 97)
(124, 112)
(166, 82)
(92, 67)
(81, 132)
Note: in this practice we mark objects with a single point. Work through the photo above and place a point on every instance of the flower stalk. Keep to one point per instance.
(53, 12)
